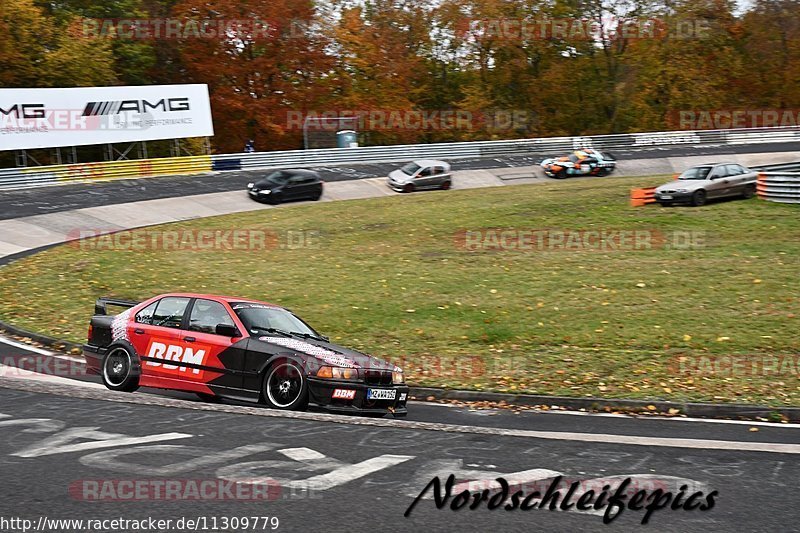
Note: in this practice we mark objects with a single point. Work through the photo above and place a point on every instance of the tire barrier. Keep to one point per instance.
(18, 178)
(781, 187)
(640, 197)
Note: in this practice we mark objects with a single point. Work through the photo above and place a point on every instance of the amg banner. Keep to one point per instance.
(50, 118)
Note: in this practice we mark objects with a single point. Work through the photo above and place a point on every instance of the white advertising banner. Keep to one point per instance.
(49, 118)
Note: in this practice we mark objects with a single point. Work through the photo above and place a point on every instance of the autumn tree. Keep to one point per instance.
(37, 50)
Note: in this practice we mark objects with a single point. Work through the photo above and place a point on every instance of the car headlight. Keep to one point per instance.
(681, 190)
(397, 377)
(250, 185)
(336, 372)
(266, 191)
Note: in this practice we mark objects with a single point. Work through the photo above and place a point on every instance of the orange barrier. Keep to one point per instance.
(761, 186)
(640, 197)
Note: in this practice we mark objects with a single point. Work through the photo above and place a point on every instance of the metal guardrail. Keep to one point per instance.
(781, 187)
(15, 178)
(518, 147)
(42, 176)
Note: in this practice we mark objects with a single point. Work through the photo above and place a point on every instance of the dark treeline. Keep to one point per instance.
(518, 68)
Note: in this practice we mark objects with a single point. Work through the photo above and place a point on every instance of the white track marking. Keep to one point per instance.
(26, 347)
(624, 416)
(302, 454)
(549, 435)
(147, 399)
(348, 472)
(40, 351)
(64, 442)
(12, 372)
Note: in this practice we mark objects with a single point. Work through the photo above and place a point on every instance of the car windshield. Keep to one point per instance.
(695, 173)
(257, 317)
(278, 177)
(410, 169)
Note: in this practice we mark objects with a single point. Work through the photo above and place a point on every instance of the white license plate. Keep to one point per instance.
(666, 197)
(381, 394)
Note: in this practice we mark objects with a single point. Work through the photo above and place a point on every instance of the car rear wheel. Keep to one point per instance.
(121, 370)
(285, 386)
(408, 188)
(699, 198)
(749, 192)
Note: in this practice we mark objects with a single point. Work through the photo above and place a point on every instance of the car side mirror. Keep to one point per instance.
(227, 330)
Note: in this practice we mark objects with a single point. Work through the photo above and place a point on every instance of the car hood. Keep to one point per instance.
(399, 176)
(689, 185)
(325, 353)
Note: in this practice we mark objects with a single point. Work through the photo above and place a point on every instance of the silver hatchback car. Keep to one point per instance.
(704, 182)
(421, 174)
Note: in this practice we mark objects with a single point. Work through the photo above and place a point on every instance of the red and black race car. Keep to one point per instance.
(236, 348)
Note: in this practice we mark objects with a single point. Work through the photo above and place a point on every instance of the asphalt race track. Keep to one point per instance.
(67, 441)
(20, 203)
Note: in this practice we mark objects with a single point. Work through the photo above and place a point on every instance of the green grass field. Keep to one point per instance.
(386, 276)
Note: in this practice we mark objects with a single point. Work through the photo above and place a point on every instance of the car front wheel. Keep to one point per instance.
(408, 188)
(285, 386)
(121, 370)
(699, 198)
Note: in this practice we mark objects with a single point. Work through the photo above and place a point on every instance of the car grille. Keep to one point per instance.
(378, 377)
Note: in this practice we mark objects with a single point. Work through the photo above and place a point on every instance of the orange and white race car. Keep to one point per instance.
(583, 162)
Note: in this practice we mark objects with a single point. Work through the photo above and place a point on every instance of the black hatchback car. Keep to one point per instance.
(286, 185)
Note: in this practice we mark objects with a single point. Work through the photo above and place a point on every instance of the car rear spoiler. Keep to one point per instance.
(101, 304)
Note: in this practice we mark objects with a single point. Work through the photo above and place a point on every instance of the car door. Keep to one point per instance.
(293, 188)
(216, 358)
(424, 178)
(740, 178)
(717, 184)
(155, 335)
(438, 176)
(307, 187)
